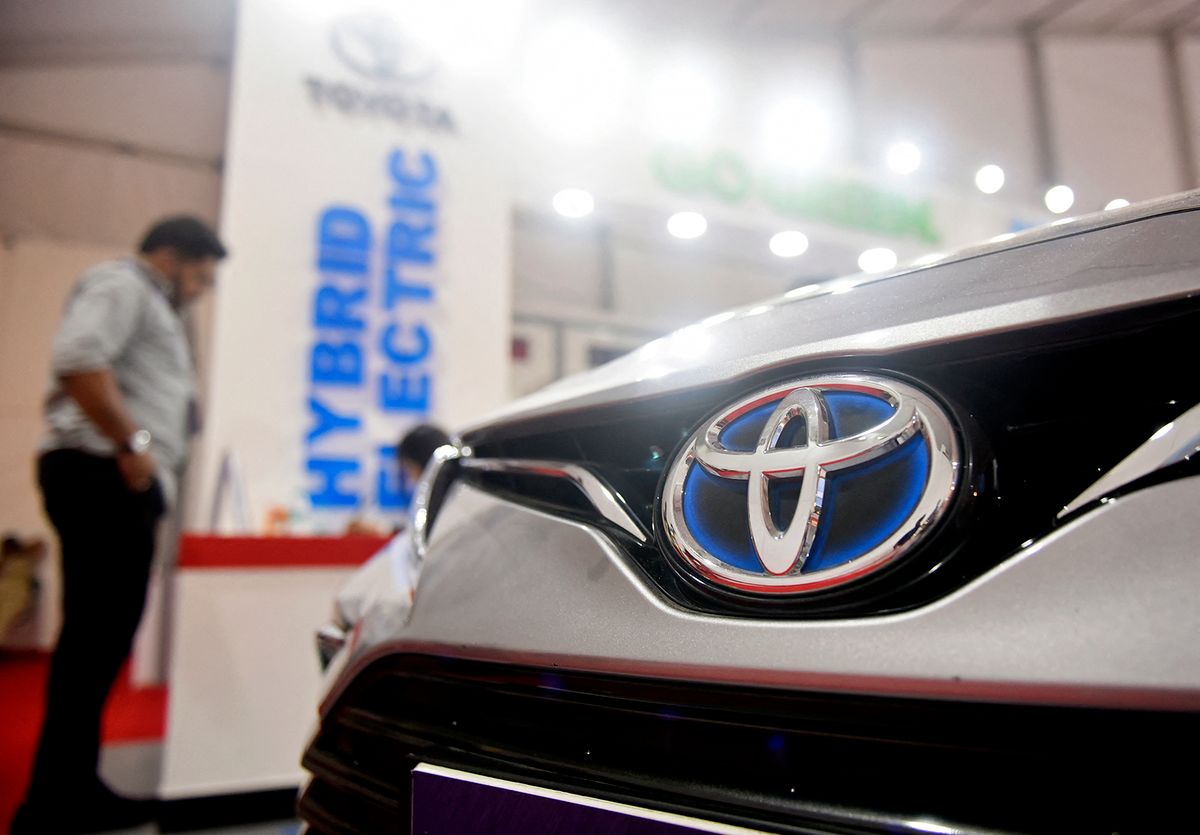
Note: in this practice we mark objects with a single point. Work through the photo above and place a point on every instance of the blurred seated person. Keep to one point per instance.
(379, 595)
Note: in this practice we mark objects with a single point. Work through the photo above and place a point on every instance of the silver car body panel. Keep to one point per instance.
(1066, 621)
(1128, 258)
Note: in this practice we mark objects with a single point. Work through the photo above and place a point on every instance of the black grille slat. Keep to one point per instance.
(778, 760)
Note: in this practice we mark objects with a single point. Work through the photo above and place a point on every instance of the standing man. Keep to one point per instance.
(119, 418)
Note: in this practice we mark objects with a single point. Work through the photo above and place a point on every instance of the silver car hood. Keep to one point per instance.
(1102, 262)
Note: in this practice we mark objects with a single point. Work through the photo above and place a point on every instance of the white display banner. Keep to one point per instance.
(368, 285)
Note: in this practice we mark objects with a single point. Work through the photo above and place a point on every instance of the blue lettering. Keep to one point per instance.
(418, 353)
(407, 243)
(426, 178)
(329, 420)
(333, 309)
(337, 365)
(397, 392)
(349, 315)
(345, 241)
(330, 471)
(411, 202)
(396, 288)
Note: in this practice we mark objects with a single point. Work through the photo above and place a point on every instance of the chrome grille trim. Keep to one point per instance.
(607, 502)
(422, 511)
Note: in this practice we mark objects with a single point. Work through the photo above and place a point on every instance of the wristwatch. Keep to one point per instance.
(137, 443)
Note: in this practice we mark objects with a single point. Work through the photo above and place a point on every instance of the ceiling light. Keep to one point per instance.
(789, 244)
(687, 225)
(1119, 203)
(989, 179)
(904, 158)
(574, 202)
(1059, 199)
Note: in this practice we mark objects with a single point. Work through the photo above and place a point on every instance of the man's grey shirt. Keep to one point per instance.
(119, 317)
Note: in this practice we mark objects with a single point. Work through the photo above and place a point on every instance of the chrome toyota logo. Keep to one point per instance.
(811, 484)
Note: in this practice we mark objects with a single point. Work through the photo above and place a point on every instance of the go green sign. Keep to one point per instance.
(730, 179)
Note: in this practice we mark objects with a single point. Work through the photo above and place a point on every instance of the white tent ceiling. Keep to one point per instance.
(148, 79)
(72, 31)
(775, 19)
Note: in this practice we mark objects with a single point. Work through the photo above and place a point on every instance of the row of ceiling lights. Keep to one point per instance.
(904, 158)
(578, 78)
(578, 203)
(688, 225)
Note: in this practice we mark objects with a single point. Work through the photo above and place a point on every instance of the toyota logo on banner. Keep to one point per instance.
(383, 58)
(373, 45)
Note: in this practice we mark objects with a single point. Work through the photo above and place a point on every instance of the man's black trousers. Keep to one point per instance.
(107, 534)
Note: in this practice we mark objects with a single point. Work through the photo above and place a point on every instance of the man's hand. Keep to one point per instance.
(138, 470)
(99, 397)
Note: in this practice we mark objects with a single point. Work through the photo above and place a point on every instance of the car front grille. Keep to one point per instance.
(765, 759)
(1043, 413)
